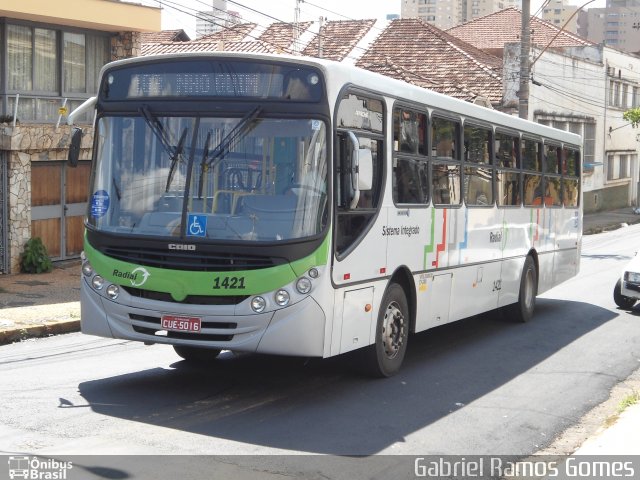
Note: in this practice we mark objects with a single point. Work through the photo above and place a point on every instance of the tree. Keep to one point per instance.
(632, 115)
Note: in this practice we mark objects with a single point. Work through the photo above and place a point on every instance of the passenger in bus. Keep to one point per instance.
(409, 139)
(506, 155)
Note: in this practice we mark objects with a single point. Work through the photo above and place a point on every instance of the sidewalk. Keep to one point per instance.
(40, 305)
(48, 304)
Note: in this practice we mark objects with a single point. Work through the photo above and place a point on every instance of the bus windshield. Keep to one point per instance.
(239, 178)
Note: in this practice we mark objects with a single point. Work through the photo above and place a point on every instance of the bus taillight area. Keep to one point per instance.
(265, 322)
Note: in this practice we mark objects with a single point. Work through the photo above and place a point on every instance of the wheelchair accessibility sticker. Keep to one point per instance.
(197, 225)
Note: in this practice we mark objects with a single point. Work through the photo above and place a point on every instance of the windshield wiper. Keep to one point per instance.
(158, 130)
(241, 129)
(175, 157)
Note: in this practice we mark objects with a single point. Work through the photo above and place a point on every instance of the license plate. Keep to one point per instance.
(179, 323)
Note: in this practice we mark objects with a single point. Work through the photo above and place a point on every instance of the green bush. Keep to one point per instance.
(34, 258)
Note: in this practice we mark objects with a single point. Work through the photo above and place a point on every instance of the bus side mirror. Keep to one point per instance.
(361, 169)
(365, 169)
(74, 147)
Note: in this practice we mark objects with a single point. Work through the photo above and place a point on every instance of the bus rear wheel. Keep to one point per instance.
(385, 356)
(522, 311)
(622, 301)
(196, 354)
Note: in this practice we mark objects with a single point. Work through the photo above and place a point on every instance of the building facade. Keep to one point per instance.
(216, 19)
(446, 14)
(561, 14)
(51, 56)
(617, 25)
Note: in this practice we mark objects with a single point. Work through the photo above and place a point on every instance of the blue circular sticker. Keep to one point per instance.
(99, 203)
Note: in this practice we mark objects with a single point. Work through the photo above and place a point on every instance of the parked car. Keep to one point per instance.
(627, 290)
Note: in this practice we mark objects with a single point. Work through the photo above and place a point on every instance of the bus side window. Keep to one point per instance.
(506, 150)
(353, 222)
(444, 135)
(409, 129)
(445, 187)
(410, 181)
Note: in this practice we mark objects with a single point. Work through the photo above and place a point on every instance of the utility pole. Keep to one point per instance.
(525, 47)
(296, 27)
(320, 38)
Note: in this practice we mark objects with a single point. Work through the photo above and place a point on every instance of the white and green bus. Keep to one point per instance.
(295, 206)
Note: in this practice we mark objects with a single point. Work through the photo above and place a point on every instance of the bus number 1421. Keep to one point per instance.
(227, 283)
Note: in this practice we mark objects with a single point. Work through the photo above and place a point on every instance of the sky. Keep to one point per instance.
(179, 13)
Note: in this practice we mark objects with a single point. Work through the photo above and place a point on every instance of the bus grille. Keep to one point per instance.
(206, 262)
(190, 299)
(153, 328)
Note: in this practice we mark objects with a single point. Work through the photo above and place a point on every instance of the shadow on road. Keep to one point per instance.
(291, 403)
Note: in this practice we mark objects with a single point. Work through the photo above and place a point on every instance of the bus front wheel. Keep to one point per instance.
(196, 354)
(385, 356)
(522, 311)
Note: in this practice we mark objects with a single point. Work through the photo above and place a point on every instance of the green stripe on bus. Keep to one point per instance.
(429, 248)
(179, 283)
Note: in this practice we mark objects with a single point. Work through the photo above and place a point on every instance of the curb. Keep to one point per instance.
(608, 228)
(18, 334)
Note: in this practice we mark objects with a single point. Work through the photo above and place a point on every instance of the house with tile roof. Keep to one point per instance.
(178, 35)
(417, 52)
(491, 32)
(576, 85)
(335, 40)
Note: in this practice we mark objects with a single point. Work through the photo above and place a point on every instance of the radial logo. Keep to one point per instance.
(137, 276)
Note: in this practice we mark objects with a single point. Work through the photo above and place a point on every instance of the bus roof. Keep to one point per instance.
(343, 74)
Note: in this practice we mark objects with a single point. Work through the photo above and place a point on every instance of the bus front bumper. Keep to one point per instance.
(298, 329)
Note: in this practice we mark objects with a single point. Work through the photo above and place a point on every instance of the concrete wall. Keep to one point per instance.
(605, 199)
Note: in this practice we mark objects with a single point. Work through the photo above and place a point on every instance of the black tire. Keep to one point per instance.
(385, 356)
(624, 302)
(196, 354)
(522, 311)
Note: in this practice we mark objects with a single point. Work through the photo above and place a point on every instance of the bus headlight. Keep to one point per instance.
(113, 291)
(97, 282)
(87, 269)
(258, 304)
(313, 273)
(282, 297)
(303, 285)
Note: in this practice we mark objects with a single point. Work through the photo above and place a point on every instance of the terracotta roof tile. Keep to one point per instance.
(165, 36)
(339, 38)
(419, 53)
(190, 47)
(281, 34)
(493, 31)
(234, 33)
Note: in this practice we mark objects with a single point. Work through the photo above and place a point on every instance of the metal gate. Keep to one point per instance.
(4, 210)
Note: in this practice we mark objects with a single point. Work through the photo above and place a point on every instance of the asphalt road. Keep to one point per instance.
(479, 386)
